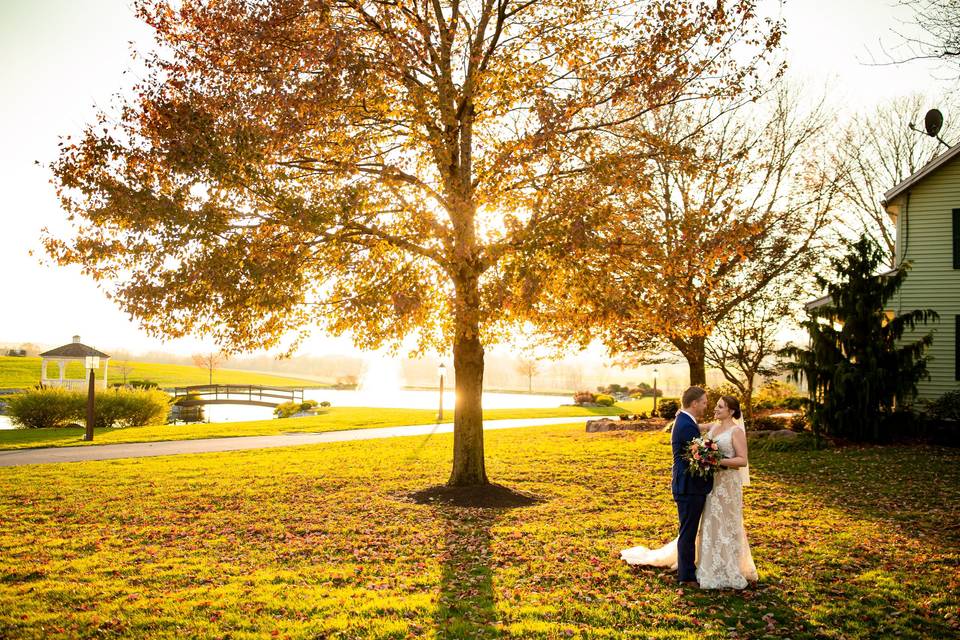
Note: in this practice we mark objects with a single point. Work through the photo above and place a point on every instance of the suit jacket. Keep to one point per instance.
(684, 430)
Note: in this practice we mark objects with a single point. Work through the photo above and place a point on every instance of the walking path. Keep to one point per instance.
(213, 445)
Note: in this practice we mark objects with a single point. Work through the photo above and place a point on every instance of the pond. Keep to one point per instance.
(399, 398)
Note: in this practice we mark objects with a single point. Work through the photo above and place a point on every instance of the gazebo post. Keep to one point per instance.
(106, 363)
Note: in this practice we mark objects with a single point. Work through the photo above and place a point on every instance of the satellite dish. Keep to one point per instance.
(933, 122)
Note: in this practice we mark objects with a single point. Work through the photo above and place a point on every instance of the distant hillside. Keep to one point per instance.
(18, 373)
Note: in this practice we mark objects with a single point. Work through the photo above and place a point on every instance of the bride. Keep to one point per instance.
(723, 553)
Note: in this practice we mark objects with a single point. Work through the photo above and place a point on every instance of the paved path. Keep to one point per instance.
(212, 445)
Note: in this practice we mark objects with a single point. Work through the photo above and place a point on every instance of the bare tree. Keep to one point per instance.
(124, 368)
(878, 151)
(745, 343)
(210, 361)
(935, 32)
(528, 367)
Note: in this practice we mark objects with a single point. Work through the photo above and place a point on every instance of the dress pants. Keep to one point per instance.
(689, 510)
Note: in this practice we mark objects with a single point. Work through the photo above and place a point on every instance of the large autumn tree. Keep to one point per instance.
(365, 165)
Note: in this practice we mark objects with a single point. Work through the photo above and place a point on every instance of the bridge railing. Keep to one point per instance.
(249, 392)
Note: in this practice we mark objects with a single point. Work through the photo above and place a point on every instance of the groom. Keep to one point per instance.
(689, 492)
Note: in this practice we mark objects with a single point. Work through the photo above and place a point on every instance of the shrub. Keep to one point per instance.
(286, 409)
(184, 398)
(45, 408)
(144, 384)
(774, 392)
(803, 442)
(131, 407)
(584, 397)
(325, 403)
(798, 423)
(794, 403)
(604, 400)
(946, 407)
(192, 413)
(766, 423)
(668, 408)
(117, 407)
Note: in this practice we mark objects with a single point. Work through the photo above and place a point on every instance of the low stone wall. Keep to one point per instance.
(611, 424)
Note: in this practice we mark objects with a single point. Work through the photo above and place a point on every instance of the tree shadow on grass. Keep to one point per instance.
(466, 607)
(904, 492)
(905, 487)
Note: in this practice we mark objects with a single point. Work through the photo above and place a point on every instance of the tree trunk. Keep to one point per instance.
(694, 351)
(748, 402)
(468, 464)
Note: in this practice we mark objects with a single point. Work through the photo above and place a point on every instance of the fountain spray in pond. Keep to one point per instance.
(381, 381)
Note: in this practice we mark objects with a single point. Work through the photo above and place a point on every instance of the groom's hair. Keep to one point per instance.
(691, 395)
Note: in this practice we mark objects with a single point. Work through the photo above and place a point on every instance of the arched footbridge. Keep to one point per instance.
(248, 394)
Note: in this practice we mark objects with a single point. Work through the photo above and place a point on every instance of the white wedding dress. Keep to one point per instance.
(723, 553)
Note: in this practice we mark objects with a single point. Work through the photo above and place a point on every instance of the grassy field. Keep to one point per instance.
(23, 373)
(333, 419)
(323, 542)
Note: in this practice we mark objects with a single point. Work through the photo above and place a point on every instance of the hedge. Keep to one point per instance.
(55, 407)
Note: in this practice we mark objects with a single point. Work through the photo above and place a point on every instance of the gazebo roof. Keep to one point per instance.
(75, 349)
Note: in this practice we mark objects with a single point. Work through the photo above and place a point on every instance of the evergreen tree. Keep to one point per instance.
(857, 367)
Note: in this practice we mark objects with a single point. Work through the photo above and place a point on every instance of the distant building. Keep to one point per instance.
(926, 210)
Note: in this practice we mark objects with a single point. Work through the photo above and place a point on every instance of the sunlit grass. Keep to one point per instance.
(24, 373)
(318, 542)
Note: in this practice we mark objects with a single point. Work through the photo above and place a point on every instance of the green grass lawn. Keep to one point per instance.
(333, 419)
(24, 373)
(321, 542)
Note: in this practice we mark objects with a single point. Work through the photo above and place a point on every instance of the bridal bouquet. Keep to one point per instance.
(703, 456)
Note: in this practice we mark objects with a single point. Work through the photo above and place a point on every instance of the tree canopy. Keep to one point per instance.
(366, 165)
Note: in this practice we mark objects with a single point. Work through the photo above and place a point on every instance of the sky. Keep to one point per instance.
(61, 58)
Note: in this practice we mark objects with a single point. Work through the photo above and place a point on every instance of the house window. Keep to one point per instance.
(956, 238)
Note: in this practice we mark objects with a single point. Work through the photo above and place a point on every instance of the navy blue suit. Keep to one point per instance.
(690, 494)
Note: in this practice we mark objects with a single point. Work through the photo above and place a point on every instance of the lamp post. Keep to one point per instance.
(655, 372)
(92, 363)
(442, 370)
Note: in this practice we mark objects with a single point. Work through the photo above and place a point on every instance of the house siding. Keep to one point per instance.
(925, 239)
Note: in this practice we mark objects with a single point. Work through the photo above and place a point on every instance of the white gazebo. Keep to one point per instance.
(69, 353)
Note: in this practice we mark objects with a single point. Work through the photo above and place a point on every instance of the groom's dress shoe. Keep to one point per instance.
(690, 583)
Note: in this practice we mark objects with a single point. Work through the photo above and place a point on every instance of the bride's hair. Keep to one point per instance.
(734, 405)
